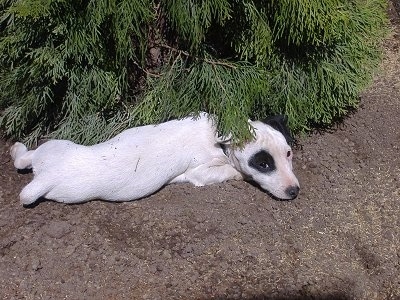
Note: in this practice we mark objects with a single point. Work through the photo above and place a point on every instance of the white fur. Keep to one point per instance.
(141, 160)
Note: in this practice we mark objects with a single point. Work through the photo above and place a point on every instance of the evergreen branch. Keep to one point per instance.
(81, 69)
(145, 70)
(198, 58)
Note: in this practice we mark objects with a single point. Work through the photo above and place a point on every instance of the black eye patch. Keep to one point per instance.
(263, 162)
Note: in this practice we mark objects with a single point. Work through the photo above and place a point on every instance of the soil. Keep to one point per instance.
(340, 239)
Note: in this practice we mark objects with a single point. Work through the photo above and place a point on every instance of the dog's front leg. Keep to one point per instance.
(215, 171)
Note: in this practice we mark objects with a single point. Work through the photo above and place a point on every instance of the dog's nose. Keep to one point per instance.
(292, 191)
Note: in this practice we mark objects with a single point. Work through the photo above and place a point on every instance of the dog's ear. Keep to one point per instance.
(279, 123)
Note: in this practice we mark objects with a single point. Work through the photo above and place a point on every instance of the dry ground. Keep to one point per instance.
(340, 239)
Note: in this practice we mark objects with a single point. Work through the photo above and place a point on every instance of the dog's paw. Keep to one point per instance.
(29, 195)
(238, 177)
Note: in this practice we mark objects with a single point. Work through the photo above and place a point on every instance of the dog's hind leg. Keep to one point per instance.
(21, 156)
(33, 191)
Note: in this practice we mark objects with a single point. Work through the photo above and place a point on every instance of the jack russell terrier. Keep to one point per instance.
(141, 160)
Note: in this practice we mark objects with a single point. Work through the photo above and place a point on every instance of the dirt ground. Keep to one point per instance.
(340, 239)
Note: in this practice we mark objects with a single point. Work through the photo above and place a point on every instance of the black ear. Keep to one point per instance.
(279, 123)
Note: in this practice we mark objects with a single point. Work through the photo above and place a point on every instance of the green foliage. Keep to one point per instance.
(85, 70)
(192, 19)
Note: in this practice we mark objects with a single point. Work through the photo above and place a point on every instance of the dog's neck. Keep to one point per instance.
(229, 153)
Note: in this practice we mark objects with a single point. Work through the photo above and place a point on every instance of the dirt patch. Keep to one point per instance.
(340, 239)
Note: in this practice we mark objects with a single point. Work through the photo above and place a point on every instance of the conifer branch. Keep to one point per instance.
(66, 66)
(146, 71)
(198, 58)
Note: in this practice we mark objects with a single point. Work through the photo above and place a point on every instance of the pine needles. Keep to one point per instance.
(86, 70)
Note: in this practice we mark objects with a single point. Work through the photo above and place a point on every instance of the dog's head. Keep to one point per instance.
(267, 160)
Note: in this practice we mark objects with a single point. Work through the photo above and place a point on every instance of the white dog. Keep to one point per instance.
(141, 160)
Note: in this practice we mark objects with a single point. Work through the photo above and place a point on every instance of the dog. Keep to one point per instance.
(141, 160)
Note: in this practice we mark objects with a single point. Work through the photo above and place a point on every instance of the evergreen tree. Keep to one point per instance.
(85, 70)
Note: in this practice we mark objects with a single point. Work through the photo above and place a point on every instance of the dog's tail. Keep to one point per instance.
(21, 156)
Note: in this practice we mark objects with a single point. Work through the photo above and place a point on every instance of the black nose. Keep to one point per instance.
(292, 191)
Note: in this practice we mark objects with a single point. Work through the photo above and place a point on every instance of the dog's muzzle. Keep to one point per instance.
(292, 191)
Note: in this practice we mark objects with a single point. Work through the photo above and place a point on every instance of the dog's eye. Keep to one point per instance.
(289, 153)
(262, 162)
